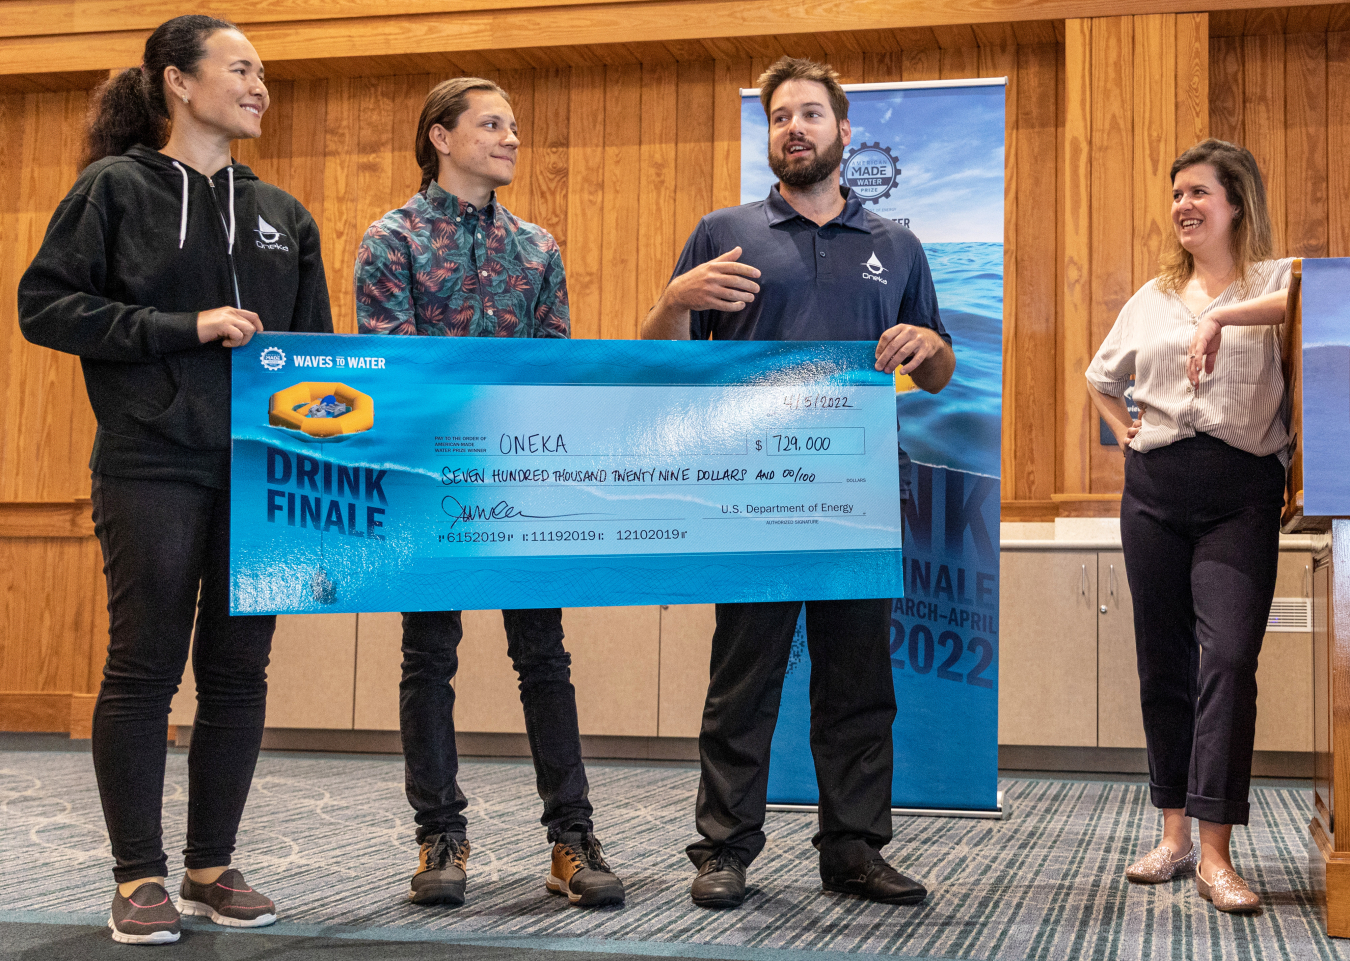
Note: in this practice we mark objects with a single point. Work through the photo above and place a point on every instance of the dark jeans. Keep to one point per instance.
(852, 710)
(1200, 525)
(426, 706)
(166, 555)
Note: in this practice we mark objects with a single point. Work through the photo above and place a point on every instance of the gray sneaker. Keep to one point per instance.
(228, 900)
(440, 877)
(147, 917)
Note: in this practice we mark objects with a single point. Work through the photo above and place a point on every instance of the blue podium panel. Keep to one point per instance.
(1326, 387)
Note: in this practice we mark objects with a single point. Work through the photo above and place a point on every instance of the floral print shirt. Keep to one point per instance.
(441, 267)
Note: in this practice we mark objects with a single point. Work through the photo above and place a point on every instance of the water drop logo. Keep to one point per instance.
(267, 232)
(273, 358)
(268, 236)
(873, 264)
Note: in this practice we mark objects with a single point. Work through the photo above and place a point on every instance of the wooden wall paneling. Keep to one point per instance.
(1192, 73)
(548, 187)
(374, 161)
(922, 63)
(83, 425)
(883, 67)
(308, 125)
(518, 196)
(728, 79)
(11, 146)
(656, 250)
(619, 308)
(852, 67)
(959, 63)
(1111, 233)
(584, 256)
(694, 115)
(1338, 145)
(1263, 127)
(379, 660)
(410, 93)
(995, 62)
(1226, 96)
(1075, 340)
(1030, 273)
(38, 438)
(1155, 140)
(338, 230)
(1306, 186)
(616, 668)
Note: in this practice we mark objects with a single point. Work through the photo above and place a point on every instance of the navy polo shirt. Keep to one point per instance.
(850, 279)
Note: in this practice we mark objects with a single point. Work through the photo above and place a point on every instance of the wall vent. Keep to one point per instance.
(1290, 614)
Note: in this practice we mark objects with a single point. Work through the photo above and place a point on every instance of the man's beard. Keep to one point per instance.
(808, 175)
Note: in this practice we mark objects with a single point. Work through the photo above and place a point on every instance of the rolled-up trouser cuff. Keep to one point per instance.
(1167, 797)
(1217, 810)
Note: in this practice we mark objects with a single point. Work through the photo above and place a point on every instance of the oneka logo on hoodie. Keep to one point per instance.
(269, 236)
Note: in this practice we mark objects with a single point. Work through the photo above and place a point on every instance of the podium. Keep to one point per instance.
(1316, 355)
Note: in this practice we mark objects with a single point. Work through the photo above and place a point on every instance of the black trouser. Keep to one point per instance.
(1200, 524)
(166, 555)
(426, 705)
(852, 710)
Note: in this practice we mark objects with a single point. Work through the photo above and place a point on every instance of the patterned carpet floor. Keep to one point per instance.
(330, 839)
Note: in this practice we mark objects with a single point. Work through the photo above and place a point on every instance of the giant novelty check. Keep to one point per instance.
(426, 473)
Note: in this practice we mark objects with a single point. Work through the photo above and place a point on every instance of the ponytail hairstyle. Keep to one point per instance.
(444, 105)
(1240, 177)
(129, 107)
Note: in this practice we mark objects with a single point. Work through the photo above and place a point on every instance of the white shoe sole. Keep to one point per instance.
(198, 909)
(159, 937)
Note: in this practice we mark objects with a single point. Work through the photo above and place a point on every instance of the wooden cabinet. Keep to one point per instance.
(1119, 720)
(686, 654)
(310, 681)
(1048, 648)
(1052, 642)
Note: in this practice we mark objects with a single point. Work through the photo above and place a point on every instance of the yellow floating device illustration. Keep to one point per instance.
(322, 410)
(904, 383)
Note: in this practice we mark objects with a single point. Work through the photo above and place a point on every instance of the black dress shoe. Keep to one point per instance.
(876, 881)
(720, 882)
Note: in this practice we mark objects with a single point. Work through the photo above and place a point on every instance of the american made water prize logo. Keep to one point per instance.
(872, 172)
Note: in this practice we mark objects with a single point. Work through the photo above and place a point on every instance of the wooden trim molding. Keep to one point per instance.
(46, 519)
(368, 31)
(37, 711)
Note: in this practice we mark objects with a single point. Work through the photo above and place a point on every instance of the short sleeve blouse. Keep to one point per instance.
(1241, 403)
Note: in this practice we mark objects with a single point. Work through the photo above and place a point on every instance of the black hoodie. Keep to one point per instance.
(138, 247)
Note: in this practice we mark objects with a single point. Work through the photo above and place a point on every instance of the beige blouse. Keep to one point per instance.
(1242, 403)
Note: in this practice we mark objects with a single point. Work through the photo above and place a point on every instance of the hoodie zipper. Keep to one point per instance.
(229, 254)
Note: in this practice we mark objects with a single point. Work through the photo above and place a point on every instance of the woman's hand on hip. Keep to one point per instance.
(232, 326)
(1204, 348)
(1130, 434)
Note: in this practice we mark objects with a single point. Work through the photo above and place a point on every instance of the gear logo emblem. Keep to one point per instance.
(273, 358)
(872, 171)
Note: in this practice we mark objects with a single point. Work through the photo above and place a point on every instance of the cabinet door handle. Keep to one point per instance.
(1306, 582)
(1111, 580)
(1083, 581)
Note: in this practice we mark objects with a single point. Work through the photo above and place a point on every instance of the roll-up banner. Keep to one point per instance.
(928, 155)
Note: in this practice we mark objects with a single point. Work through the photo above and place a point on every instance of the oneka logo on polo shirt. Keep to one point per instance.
(268, 236)
(874, 269)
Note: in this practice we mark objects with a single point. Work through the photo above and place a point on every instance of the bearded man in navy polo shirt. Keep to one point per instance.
(807, 263)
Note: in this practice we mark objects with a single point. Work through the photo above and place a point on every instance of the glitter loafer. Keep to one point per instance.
(1158, 865)
(1227, 891)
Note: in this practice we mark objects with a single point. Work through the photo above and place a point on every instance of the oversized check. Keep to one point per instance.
(427, 473)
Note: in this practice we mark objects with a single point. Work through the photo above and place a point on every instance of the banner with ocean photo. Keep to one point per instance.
(928, 155)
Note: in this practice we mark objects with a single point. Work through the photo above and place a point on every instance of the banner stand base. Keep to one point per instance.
(997, 814)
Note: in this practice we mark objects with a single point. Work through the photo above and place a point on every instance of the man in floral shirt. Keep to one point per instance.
(452, 262)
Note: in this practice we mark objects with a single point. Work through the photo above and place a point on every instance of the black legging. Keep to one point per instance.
(1200, 525)
(166, 557)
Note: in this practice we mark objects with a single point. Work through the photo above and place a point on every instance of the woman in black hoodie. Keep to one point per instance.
(163, 255)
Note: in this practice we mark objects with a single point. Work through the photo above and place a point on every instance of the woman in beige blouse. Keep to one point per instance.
(1200, 515)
